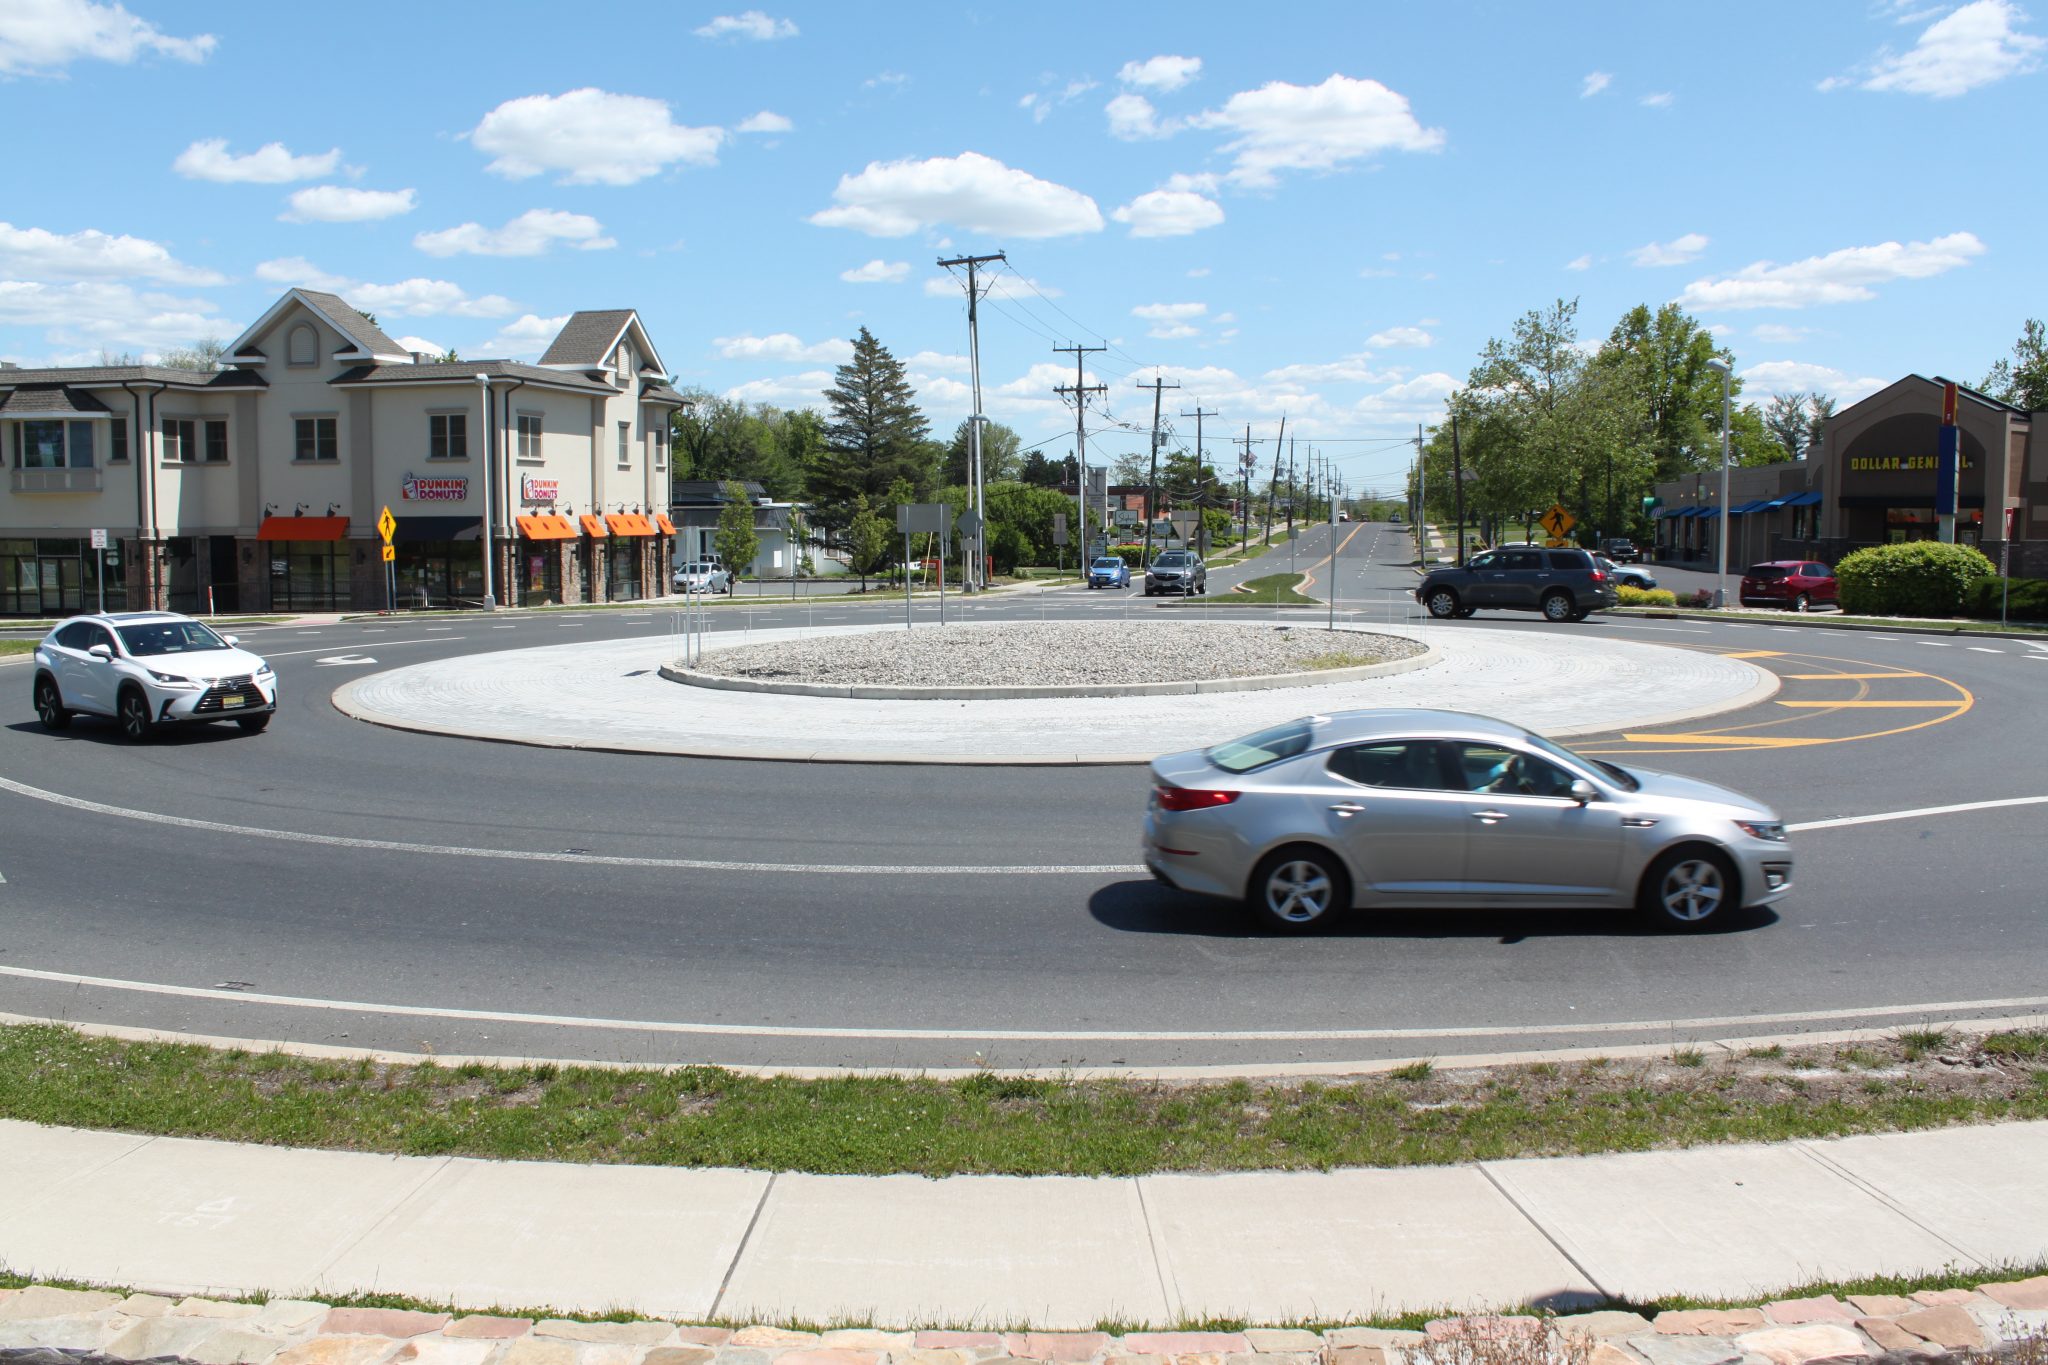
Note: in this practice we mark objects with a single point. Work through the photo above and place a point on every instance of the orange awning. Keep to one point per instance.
(668, 528)
(547, 526)
(629, 524)
(593, 526)
(302, 528)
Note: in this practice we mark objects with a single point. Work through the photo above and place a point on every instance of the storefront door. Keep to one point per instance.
(624, 577)
(540, 572)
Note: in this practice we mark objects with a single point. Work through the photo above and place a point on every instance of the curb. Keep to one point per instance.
(1810, 622)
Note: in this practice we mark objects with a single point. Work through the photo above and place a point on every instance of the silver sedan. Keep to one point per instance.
(1410, 809)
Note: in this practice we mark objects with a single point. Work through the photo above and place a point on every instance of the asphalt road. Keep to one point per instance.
(566, 904)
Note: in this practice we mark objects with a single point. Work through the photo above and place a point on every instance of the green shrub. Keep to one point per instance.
(1916, 578)
(2029, 601)
(1645, 597)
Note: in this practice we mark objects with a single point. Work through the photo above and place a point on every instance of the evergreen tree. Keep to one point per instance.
(2023, 380)
(874, 437)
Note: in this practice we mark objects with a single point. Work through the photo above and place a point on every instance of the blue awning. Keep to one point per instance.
(1806, 499)
(1746, 508)
(1663, 512)
(1706, 511)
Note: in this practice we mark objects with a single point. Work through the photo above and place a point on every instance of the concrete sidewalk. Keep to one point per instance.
(179, 1216)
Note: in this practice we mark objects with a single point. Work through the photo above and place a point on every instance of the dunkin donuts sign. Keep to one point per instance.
(416, 489)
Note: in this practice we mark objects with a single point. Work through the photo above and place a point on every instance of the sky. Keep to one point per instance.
(1320, 212)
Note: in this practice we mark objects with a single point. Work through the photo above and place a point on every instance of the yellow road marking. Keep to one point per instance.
(1830, 705)
(1757, 654)
(1741, 741)
(1824, 677)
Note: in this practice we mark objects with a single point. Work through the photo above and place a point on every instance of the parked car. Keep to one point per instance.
(1795, 583)
(1177, 571)
(148, 669)
(1413, 809)
(1108, 571)
(702, 576)
(1628, 575)
(1565, 585)
(1621, 551)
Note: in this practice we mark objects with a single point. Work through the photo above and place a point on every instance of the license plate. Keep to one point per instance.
(236, 700)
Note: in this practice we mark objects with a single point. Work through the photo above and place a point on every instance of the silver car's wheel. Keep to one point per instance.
(1298, 889)
(1688, 887)
(1443, 604)
(136, 723)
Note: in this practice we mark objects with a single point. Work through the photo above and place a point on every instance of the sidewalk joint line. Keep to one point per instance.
(1812, 1152)
(1169, 1284)
(1531, 1219)
(725, 1282)
(412, 1192)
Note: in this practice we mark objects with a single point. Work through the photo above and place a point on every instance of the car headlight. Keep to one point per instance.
(266, 672)
(170, 679)
(1772, 830)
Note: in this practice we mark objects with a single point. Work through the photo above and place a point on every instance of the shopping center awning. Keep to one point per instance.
(1706, 511)
(436, 530)
(629, 524)
(1748, 507)
(663, 524)
(547, 526)
(1806, 499)
(593, 526)
(302, 528)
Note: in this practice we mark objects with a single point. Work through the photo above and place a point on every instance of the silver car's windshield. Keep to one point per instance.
(1267, 746)
(1108, 564)
(1620, 775)
(168, 637)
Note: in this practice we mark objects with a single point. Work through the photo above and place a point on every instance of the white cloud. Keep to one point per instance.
(530, 234)
(1844, 276)
(886, 80)
(1584, 262)
(806, 390)
(526, 335)
(970, 191)
(1662, 99)
(1315, 128)
(270, 164)
(783, 346)
(1200, 272)
(767, 121)
(877, 271)
(47, 35)
(1040, 104)
(1168, 213)
(299, 273)
(1778, 334)
(339, 204)
(1595, 82)
(1400, 336)
(1678, 251)
(97, 313)
(430, 349)
(428, 298)
(1164, 74)
(1003, 286)
(1171, 321)
(1133, 119)
(94, 255)
(1420, 397)
(592, 136)
(1352, 369)
(935, 360)
(1775, 377)
(1978, 44)
(753, 26)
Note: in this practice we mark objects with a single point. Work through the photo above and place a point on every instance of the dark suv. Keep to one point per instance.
(1177, 571)
(1562, 584)
(1620, 551)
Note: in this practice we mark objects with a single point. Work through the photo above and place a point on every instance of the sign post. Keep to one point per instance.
(1558, 523)
(1945, 468)
(1059, 537)
(99, 546)
(924, 518)
(970, 524)
(386, 524)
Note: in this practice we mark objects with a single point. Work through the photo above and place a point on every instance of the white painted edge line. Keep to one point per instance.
(1339, 1035)
(1884, 816)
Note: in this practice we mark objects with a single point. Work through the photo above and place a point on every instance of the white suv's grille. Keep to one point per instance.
(215, 697)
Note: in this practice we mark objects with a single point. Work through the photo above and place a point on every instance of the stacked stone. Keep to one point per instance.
(46, 1326)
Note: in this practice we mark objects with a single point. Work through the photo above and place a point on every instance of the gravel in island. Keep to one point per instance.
(1056, 654)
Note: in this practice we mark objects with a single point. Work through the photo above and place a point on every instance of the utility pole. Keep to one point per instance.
(1421, 502)
(1458, 475)
(1273, 493)
(1201, 470)
(1159, 388)
(1079, 390)
(1246, 463)
(976, 576)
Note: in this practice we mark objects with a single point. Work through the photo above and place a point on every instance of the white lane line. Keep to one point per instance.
(504, 627)
(583, 859)
(1985, 649)
(1671, 1026)
(1933, 644)
(381, 644)
(1883, 816)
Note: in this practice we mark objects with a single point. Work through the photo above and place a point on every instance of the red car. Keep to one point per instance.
(1794, 583)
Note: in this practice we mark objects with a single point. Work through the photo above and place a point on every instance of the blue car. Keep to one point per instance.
(1109, 572)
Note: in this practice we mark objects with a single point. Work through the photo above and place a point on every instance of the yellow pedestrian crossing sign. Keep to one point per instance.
(386, 524)
(1557, 521)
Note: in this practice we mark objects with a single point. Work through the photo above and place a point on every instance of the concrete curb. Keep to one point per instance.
(1810, 622)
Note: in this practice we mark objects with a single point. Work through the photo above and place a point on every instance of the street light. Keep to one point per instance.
(1721, 368)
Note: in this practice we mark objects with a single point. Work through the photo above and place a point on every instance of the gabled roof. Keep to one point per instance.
(465, 372)
(50, 400)
(368, 339)
(1962, 391)
(588, 339)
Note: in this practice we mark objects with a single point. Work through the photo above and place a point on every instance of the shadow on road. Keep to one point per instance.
(96, 730)
(1146, 907)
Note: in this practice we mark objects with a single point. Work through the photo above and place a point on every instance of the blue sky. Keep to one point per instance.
(1316, 210)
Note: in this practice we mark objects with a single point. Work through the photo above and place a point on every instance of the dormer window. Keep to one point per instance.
(625, 363)
(302, 347)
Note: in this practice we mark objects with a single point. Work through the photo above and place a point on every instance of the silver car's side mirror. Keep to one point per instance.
(103, 653)
(1584, 792)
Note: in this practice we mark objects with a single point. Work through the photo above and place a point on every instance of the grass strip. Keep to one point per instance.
(998, 1124)
(10, 647)
(1274, 588)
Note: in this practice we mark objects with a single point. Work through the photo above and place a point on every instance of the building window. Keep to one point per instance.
(529, 436)
(303, 346)
(314, 438)
(217, 442)
(447, 436)
(53, 445)
(657, 451)
(625, 445)
(181, 440)
(117, 441)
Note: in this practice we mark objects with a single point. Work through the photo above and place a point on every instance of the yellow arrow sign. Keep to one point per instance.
(386, 524)
(390, 553)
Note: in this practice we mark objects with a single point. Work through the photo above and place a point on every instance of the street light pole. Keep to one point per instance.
(1721, 368)
(483, 383)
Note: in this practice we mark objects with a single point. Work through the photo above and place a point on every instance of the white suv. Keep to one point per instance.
(149, 668)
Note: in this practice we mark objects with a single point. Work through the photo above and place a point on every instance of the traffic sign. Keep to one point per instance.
(969, 522)
(1059, 528)
(386, 524)
(99, 539)
(390, 554)
(1557, 521)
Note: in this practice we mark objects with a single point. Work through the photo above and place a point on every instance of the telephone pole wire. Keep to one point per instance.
(977, 575)
(1202, 473)
(1158, 387)
(1079, 390)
